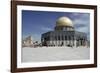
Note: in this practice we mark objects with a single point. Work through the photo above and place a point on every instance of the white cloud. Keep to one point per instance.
(83, 29)
(80, 22)
(46, 29)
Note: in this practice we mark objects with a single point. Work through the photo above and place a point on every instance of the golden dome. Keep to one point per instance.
(64, 21)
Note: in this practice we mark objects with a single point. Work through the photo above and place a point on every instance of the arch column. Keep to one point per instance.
(57, 39)
(75, 41)
(60, 39)
(64, 40)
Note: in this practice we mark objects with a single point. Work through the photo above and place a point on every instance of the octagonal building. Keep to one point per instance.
(64, 34)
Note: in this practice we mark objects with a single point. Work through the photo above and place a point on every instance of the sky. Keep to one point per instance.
(35, 23)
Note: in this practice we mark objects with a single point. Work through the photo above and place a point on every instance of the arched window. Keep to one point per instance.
(58, 37)
(55, 38)
(62, 37)
(65, 37)
(69, 37)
